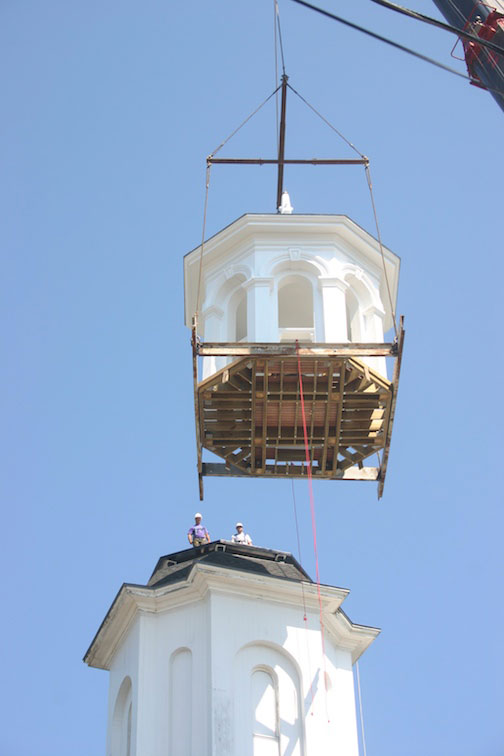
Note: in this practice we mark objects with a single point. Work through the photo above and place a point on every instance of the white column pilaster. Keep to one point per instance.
(262, 310)
(373, 332)
(213, 320)
(334, 306)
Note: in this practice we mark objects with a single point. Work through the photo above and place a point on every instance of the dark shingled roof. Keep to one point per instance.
(173, 568)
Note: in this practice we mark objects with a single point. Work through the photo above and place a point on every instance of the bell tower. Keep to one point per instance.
(213, 657)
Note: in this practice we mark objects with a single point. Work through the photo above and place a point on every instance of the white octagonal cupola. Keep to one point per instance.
(282, 277)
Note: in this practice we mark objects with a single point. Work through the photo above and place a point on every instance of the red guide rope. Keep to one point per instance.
(312, 511)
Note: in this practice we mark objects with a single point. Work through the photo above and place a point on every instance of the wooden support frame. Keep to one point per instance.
(248, 412)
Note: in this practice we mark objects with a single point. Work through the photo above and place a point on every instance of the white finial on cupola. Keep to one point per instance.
(285, 205)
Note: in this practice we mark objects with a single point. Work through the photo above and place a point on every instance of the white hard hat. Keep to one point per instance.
(198, 514)
(239, 525)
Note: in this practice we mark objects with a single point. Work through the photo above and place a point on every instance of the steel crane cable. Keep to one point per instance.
(392, 308)
(397, 45)
(277, 31)
(370, 187)
(207, 186)
(328, 123)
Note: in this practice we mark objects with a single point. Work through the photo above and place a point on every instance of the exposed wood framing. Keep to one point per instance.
(249, 412)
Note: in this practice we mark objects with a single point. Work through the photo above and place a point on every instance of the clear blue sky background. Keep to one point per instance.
(108, 110)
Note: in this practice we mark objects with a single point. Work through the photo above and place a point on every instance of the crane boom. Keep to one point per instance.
(485, 20)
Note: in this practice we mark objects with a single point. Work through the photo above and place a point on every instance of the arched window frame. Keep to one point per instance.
(121, 740)
(237, 299)
(274, 739)
(308, 331)
(181, 727)
(287, 675)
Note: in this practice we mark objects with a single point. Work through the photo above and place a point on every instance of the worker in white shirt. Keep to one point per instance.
(240, 536)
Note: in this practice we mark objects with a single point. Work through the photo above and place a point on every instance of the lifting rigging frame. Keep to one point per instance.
(249, 412)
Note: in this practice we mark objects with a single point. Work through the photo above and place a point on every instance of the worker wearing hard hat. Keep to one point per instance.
(240, 536)
(197, 535)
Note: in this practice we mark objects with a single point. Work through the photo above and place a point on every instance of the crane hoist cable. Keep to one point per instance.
(207, 186)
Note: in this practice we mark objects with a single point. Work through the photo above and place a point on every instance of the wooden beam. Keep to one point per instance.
(286, 161)
(291, 471)
(339, 415)
(197, 414)
(287, 348)
(253, 417)
(330, 374)
(388, 433)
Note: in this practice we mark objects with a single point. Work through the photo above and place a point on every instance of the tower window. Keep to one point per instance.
(265, 714)
(295, 303)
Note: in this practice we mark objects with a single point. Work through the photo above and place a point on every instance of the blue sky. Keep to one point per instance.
(108, 112)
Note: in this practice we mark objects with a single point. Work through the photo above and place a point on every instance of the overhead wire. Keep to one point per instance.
(396, 45)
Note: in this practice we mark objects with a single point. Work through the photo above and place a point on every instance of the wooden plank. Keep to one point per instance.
(310, 440)
(235, 458)
(280, 400)
(264, 416)
(197, 409)
(339, 414)
(289, 471)
(330, 374)
(252, 419)
(306, 349)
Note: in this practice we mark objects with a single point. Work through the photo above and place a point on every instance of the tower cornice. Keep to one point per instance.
(203, 580)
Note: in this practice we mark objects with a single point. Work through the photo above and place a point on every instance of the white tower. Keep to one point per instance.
(214, 658)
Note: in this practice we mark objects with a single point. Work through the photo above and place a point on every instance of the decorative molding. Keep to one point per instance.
(294, 253)
(259, 281)
(374, 310)
(333, 282)
(213, 310)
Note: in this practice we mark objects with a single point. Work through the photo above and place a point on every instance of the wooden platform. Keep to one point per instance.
(249, 413)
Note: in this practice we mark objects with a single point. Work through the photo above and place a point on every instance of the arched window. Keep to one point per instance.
(268, 704)
(295, 308)
(181, 703)
(265, 728)
(122, 721)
